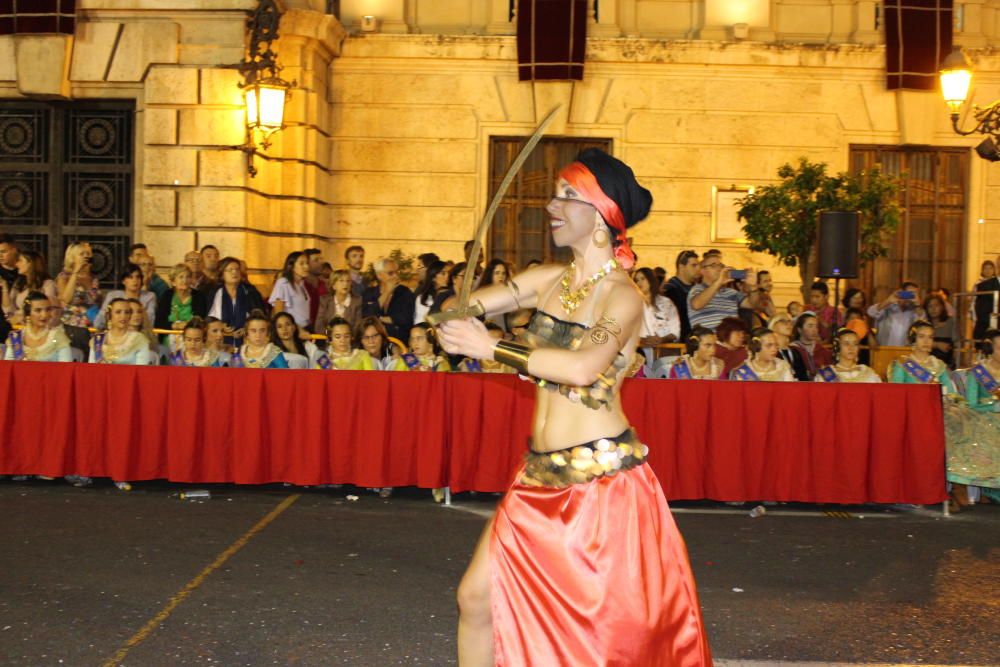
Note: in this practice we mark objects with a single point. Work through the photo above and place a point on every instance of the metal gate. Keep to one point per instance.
(66, 175)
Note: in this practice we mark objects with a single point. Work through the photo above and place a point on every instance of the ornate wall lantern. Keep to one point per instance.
(265, 93)
(956, 78)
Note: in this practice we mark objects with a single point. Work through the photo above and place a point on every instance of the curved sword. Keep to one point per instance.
(463, 309)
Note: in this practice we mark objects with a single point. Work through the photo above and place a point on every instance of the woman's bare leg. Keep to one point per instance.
(475, 625)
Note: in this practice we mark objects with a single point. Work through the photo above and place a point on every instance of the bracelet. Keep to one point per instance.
(512, 354)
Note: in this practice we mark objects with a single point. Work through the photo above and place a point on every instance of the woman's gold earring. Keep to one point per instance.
(601, 238)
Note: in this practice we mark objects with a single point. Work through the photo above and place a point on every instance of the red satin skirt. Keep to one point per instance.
(593, 574)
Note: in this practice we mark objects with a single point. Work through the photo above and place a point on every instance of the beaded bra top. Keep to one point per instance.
(545, 331)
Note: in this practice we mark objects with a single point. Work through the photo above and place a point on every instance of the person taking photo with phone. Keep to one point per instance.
(896, 313)
(712, 301)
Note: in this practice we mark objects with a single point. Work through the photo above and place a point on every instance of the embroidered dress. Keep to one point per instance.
(55, 345)
(972, 437)
(269, 357)
(687, 367)
(208, 359)
(355, 360)
(749, 371)
(837, 373)
(427, 363)
(131, 349)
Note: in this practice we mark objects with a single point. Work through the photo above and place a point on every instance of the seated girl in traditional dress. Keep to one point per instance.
(424, 354)
(972, 438)
(340, 354)
(140, 322)
(700, 362)
(120, 344)
(982, 390)
(764, 364)
(486, 365)
(192, 351)
(846, 349)
(38, 341)
(258, 351)
(287, 337)
(215, 338)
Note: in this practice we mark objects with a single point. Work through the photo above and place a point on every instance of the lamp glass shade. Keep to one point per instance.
(955, 86)
(265, 106)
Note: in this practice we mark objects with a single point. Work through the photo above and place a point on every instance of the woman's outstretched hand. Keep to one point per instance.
(467, 337)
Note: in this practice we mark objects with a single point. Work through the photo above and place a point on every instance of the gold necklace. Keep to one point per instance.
(571, 299)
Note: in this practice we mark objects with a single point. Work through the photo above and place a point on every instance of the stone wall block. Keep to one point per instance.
(450, 157)
(293, 179)
(159, 208)
(222, 168)
(406, 122)
(202, 54)
(229, 31)
(8, 59)
(167, 246)
(221, 87)
(92, 50)
(212, 127)
(230, 244)
(365, 223)
(794, 130)
(406, 190)
(212, 208)
(142, 44)
(172, 85)
(159, 126)
(170, 166)
(43, 64)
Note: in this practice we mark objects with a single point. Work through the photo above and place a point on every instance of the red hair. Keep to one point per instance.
(583, 181)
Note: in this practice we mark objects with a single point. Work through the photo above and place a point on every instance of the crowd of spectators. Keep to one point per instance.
(207, 312)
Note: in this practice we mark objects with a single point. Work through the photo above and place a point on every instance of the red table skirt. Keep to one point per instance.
(723, 440)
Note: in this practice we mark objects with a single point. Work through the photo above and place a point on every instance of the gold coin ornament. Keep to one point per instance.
(571, 299)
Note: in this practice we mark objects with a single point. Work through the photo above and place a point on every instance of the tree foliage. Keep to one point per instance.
(783, 219)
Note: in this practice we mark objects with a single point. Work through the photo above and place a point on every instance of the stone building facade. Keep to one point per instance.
(388, 133)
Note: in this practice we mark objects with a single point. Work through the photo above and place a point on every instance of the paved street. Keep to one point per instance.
(286, 576)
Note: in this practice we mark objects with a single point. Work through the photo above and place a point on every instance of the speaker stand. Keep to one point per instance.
(836, 308)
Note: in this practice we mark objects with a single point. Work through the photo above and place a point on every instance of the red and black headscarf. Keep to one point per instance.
(609, 184)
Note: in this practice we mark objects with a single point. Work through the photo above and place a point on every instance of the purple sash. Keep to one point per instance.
(99, 347)
(985, 378)
(828, 374)
(324, 362)
(411, 361)
(236, 359)
(473, 366)
(178, 358)
(917, 371)
(681, 370)
(16, 345)
(744, 372)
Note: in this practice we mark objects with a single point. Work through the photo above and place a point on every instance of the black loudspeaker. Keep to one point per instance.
(838, 245)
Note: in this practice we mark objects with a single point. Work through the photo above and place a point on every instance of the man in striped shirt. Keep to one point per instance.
(711, 301)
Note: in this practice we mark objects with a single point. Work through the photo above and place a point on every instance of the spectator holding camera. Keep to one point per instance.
(896, 314)
(712, 301)
(79, 290)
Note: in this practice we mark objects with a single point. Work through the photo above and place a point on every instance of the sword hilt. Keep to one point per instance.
(475, 310)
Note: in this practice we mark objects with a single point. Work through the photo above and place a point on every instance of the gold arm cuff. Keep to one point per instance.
(512, 354)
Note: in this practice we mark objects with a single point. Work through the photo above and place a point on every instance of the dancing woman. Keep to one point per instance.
(582, 563)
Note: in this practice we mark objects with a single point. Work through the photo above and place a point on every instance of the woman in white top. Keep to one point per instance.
(764, 364)
(661, 322)
(289, 293)
(435, 282)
